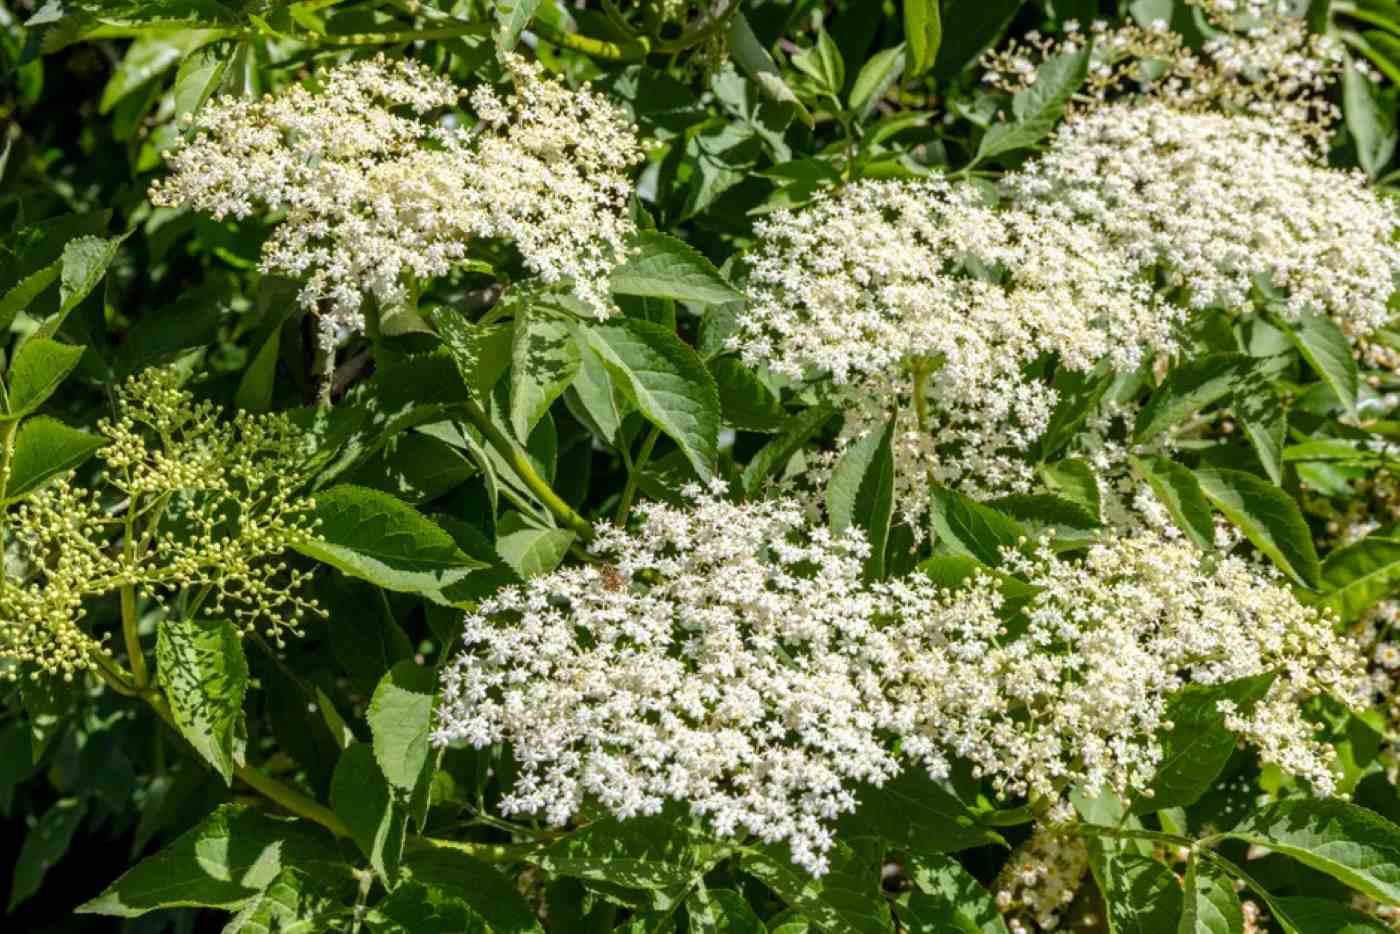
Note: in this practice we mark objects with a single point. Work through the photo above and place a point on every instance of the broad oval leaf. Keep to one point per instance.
(1037, 108)
(860, 493)
(947, 899)
(669, 384)
(38, 369)
(1209, 904)
(1189, 388)
(223, 862)
(847, 898)
(1328, 352)
(363, 799)
(923, 31)
(545, 359)
(1347, 842)
(916, 813)
(1268, 516)
(660, 266)
(1358, 576)
(45, 448)
(400, 719)
(971, 528)
(375, 537)
(1179, 491)
(202, 670)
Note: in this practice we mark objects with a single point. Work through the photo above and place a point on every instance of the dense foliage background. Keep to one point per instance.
(273, 771)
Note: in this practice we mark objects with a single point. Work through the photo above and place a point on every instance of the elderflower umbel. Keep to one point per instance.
(1078, 696)
(188, 501)
(917, 296)
(1265, 62)
(730, 657)
(370, 191)
(1214, 203)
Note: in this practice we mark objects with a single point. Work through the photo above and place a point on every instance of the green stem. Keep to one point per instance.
(634, 470)
(291, 800)
(596, 48)
(6, 458)
(920, 368)
(139, 675)
(516, 458)
(1128, 833)
(486, 852)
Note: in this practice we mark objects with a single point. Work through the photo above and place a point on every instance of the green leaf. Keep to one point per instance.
(1328, 352)
(954, 571)
(400, 718)
(1074, 480)
(25, 291)
(875, 78)
(1371, 124)
(1347, 842)
(545, 359)
(38, 369)
(846, 899)
(373, 536)
(648, 852)
(1180, 492)
(199, 76)
(916, 813)
(363, 799)
(948, 900)
(1142, 895)
(1324, 916)
(488, 891)
(823, 63)
(530, 549)
(45, 448)
(669, 384)
(513, 16)
(1360, 575)
(754, 59)
(1080, 394)
(780, 449)
(481, 354)
(860, 494)
(1189, 388)
(747, 403)
(84, 263)
(1073, 525)
(923, 30)
(1197, 747)
(414, 467)
(1209, 904)
(1268, 516)
(48, 702)
(1039, 107)
(970, 528)
(1261, 415)
(44, 845)
(223, 862)
(721, 911)
(202, 670)
(660, 266)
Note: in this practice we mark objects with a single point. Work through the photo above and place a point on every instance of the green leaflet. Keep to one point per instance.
(202, 670)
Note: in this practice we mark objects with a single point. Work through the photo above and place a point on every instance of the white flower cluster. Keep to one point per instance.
(372, 192)
(886, 284)
(1040, 879)
(1260, 60)
(1214, 204)
(730, 657)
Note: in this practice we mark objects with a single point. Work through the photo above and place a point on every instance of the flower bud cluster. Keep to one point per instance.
(372, 191)
(187, 502)
(731, 657)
